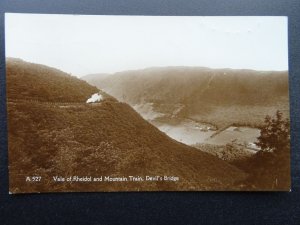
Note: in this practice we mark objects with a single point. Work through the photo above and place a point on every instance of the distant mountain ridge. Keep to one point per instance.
(95, 75)
(200, 92)
(179, 84)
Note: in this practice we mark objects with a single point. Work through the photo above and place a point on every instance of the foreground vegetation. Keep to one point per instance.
(267, 169)
(107, 139)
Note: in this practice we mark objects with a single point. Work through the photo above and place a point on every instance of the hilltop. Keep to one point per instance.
(42, 83)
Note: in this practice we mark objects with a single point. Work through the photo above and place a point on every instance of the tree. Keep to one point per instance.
(275, 134)
(271, 166)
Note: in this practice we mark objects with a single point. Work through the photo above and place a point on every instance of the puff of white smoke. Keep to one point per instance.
(95, 98)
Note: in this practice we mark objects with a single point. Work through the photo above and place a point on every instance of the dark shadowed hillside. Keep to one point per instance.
(34, 81)
(104, 139)
(243, 96)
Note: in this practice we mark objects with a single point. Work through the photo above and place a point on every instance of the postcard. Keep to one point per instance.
(103, 103)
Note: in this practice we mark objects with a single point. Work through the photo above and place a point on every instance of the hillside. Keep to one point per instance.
(190, 85)
(95, 76)
(38, 82)
(201, 93)
(50, 137)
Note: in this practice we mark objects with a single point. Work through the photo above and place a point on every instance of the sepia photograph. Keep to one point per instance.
(105, 103)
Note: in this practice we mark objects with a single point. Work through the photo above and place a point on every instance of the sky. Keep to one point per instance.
(86, 44)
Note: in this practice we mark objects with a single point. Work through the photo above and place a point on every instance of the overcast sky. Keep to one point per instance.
(81, 44)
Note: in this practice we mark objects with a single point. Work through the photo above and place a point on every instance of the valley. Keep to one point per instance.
(54, 132)
(203, 107)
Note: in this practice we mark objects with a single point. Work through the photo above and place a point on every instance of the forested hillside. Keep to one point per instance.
(243, 96)
(195, 85)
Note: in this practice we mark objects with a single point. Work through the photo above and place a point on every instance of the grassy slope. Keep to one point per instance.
(34, 81)
(105, 139)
